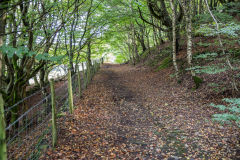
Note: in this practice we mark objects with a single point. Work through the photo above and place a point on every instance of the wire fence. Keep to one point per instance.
(31, 133)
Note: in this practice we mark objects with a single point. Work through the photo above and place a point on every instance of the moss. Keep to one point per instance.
(198, 81)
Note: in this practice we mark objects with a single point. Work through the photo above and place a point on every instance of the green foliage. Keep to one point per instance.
(230, 29)
(232, 109)
(224, 13)
(216, 87)
(24, 51)
(20, 51)
(206, 18)
(120, 58)
(198, 81)
(166, 62)
(206, 55)
(211, 69)
(235, 52)
(231, 8)
(203, 44)
(213, 85)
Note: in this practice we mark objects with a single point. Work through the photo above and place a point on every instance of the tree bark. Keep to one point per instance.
(161, 13)
(187, 7)
(200, 7)
(174, 39)
(3, 146)
(89, 62)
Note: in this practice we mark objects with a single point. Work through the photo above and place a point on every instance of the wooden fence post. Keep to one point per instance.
(94, 67)
(88, 74)
(70, 94)
(3, 146)
(79, 84)
(54, 125)
(84, 76)
(98, 65)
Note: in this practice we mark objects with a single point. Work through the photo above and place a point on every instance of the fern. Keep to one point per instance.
(206, 55)
(230, 30)
(203, 44)
(233, 108)
(212, 69)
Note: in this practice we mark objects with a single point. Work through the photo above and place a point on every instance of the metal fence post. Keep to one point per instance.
(70, 93)
(54, 125)
(3, 146)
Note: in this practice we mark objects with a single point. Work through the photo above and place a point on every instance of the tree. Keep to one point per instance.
(174, 38)
(30, 36)
(187, 8)
(161, 13)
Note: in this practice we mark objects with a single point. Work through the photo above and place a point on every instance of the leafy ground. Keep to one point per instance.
(133, 113)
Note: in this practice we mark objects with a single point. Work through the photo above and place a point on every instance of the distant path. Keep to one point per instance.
(133, 113)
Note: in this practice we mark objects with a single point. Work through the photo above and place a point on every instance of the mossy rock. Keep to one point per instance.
(198, 81)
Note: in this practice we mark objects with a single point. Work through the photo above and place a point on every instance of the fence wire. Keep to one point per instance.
(30, 134)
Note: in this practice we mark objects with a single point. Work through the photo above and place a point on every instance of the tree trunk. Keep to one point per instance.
(89, 62)
(154, 33)
(189, 42)
(71, 48)
(135, 48)
(36, 83)
(2, 31)
(187, 7)
(234, 85)
(3, 147)
(200, 7)
(174, 39)
(131, 52)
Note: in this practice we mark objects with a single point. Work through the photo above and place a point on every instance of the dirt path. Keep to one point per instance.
(133, 113)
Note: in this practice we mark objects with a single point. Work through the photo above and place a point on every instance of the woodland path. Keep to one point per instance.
(133, 113)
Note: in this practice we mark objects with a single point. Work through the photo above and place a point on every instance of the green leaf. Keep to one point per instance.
(225, 117)
(39, 57)
(234, 109)
(235, 101)
(221, 107)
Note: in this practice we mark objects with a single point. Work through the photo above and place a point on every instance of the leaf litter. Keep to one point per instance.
(134, 113)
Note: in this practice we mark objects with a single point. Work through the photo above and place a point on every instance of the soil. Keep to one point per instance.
(132, 112)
